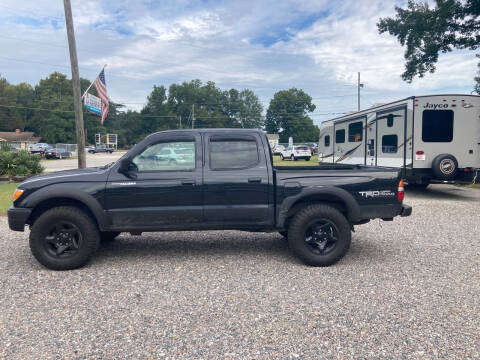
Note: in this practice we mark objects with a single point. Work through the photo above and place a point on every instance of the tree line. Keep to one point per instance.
(46, 109)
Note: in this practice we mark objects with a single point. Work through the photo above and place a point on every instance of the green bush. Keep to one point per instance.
(19, 163)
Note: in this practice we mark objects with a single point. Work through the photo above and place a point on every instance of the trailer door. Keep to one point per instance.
(371, 141)
(391, 147)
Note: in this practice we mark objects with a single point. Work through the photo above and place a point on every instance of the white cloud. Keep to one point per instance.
(160, 43)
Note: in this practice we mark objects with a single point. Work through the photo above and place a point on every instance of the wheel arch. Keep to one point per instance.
(335, 197)
(44, 201)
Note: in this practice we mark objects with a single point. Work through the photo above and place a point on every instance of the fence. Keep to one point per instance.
(71, 148)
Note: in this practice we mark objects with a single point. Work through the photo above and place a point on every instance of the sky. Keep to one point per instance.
(264, 45)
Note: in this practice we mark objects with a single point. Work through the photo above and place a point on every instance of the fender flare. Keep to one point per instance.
(88, 200)
(330, 194)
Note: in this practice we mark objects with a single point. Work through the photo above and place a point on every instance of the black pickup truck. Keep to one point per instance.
(202, 179)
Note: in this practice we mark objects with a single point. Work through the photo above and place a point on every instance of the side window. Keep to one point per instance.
(327, 140)
(340, 136)
(389, 144)
(437, 125)
(167, 156)
(355, 131)
(231, 154)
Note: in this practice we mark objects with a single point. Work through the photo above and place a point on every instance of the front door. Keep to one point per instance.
(164, 189)
(236, 184)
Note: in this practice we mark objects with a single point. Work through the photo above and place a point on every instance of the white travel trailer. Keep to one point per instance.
(431, 138)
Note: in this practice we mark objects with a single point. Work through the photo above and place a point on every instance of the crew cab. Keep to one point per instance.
(225, 180)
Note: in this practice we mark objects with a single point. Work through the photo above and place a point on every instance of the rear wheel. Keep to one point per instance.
(281, 157)
(319, 235)
(64, 238)
(307, 159)
(292, 157)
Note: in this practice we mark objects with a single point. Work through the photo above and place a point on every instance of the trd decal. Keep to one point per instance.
(376, 193)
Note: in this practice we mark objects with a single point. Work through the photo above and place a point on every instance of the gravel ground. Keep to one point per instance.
(407, 289)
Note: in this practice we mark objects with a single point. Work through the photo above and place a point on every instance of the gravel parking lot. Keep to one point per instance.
(99, 159)
(407, 289)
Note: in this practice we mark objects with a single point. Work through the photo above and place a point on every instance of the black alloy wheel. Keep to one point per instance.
(321, 236)
(63, 240)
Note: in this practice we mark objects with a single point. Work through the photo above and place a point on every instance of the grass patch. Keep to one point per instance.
(277, 162)
(6, 193)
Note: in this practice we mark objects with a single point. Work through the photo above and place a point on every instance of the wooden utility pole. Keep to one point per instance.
(77, 100)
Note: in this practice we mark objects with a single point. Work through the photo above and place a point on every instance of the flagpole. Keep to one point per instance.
(104, 66)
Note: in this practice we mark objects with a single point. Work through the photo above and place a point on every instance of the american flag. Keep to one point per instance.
(101, 87)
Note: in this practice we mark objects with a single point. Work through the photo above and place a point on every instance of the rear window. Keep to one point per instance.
(302, 148)
(231, 154)
(437, 126)
(340, 136)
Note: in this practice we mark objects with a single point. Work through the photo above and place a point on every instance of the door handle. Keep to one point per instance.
(188, 182)
(254, 180)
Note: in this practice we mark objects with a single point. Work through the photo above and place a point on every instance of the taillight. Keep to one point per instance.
(298, 152)
(401, 191)
(420, 152)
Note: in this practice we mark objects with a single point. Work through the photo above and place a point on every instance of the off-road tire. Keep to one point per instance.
(108, 236)
(86, 226)
(297, 234)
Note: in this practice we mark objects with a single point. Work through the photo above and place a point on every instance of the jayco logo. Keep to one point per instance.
(435, 106)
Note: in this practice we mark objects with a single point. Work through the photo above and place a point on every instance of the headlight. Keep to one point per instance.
(17, 194)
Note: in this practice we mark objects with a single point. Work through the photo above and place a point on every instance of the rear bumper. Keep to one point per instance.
(386, 212)
(17, 218)
(406, 210)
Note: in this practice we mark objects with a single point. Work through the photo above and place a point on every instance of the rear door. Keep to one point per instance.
(236, 184)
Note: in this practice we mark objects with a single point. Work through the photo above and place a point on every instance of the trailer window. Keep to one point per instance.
(390, 120)
(437, 125)
(340, 136)
(355, 131)
(327, 140)
(389, 144)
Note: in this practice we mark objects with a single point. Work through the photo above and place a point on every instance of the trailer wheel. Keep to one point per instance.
(445, 167)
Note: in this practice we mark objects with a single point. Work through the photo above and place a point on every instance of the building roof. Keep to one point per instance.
(16, 136)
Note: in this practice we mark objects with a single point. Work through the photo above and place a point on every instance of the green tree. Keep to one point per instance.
(287, 116)
(426, 31)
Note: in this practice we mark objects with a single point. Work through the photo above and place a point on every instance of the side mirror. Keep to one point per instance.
(128, 168)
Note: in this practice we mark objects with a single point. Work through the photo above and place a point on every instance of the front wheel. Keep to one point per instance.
(281, 157)
(319, 235)
(64, 238)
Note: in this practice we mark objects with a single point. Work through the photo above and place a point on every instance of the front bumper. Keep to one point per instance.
(17, 218)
